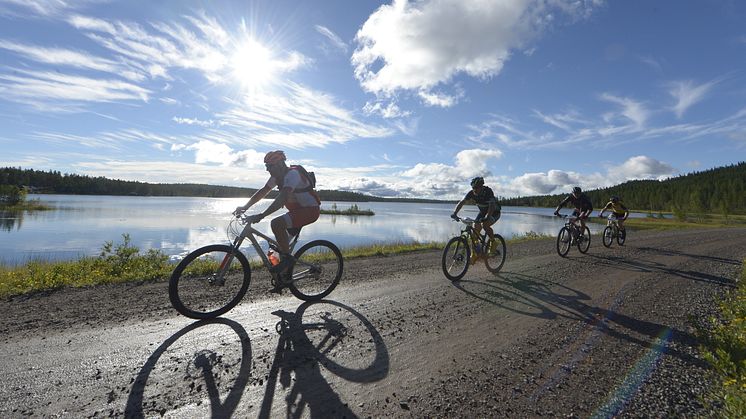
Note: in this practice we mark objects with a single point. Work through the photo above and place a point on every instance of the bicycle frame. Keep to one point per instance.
(250, 233)
(613, 222)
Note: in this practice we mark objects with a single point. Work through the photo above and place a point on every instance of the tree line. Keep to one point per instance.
(721, 190)
(38, 181)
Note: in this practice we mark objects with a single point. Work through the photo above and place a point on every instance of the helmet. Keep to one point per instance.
(614, 199)
(477, 181)
(576, 190)
(274, 157)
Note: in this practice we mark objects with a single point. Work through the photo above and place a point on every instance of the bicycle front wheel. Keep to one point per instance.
(316, 271)
(584, 240)
(209, 281)
(496, 256)
(608, 236)
(564, 239)
(455, 260)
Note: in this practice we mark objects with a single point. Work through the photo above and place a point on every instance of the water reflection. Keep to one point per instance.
(80, 225)
(10, 219)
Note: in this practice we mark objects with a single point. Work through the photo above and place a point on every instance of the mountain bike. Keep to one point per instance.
(572, 234)
(213, 279)
(612, 231)
(468, 247)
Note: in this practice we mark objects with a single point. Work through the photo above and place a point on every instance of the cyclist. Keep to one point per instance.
(296, 194)
(583, 206)
(489, 209)
(618, 209)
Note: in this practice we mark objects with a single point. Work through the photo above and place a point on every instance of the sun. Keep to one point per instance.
(252, 64)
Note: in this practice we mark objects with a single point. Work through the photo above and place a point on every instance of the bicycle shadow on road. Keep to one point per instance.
(555, 301)
(648, 266)
(305, 346)
(205, 366)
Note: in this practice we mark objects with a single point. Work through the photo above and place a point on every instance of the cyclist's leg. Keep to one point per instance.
(620, 221)
(280, 227)
(487, 224)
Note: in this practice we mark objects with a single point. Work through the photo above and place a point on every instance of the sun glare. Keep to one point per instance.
(252, 64)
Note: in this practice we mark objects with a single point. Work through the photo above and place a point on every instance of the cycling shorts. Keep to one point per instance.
(492, 219)
(617, 215)
(577, 212)
(300, 216)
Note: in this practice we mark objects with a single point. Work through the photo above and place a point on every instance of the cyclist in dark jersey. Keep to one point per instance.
(582, 204)
(489, 209)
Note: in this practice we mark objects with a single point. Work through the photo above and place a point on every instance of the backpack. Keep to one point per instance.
(310, 177)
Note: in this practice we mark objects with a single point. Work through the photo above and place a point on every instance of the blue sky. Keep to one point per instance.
(403, 98)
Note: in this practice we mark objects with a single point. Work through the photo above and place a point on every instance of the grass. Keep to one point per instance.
(352, 210)
(123, 262)
(27, 205)
(700, 221)
(724, 349)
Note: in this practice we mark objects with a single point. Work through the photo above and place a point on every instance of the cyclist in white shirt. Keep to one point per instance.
(297, 194)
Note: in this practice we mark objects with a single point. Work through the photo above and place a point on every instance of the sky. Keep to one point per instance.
(393, 99)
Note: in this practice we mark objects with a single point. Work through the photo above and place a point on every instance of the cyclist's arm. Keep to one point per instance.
(279, 201)
(458, 206)
(601, 213)
(258, 196)
(561, 204)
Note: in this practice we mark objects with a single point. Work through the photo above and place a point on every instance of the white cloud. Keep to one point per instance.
(686, 94)
(631, 109)
(386, 110)
(34, 87)
(301, 117)
(417, 45)
(642, 167)
(193, 121)
(332, 37)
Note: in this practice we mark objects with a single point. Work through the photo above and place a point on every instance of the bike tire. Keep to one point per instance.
(564, 240)
(495, 260)
(317, 269)
(584, 240)
(192, 289)
(608, 236)
(621, 237)
(456, 258)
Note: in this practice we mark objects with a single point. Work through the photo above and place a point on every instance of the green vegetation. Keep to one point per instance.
(725, 350)
(123, 262)
(117, 263)
(13, 198)
(352, 210)
(703, 221)
(721, 191)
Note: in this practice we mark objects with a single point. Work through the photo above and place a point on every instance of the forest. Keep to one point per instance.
(721, 190)
(38, 181)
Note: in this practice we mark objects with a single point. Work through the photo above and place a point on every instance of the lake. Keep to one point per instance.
(80, 224)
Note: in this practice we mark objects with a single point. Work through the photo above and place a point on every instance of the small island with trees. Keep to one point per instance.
(352, 210)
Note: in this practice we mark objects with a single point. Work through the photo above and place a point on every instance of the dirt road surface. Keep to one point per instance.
(604, 334)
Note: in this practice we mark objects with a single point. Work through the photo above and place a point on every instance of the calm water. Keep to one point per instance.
(79, 225)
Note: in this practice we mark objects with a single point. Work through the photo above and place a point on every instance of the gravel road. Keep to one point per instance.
(605, 334)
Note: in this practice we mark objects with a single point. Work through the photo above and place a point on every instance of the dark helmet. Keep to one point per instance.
(477, 181)
(274, 157)
(576, 190)
(614, 198)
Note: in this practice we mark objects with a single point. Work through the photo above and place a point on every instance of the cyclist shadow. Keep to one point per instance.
(206, 366)
(570, 304)
(648, 266)
(299, 358)
(516, 295)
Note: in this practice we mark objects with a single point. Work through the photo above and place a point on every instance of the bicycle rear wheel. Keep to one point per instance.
(621, 237)
(584, 240)
(317, 270)
(608, 236)
(209, 281)
(495, 258)
(564, 239)
(455, 259)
